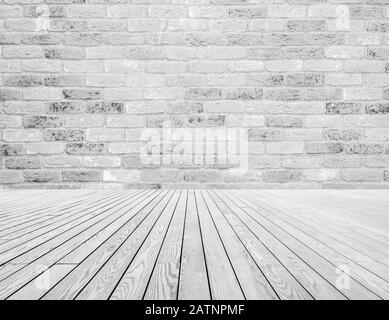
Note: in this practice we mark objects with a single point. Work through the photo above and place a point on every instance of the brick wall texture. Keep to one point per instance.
(81, 79)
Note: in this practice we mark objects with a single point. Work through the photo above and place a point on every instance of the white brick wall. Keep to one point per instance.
(81, 81)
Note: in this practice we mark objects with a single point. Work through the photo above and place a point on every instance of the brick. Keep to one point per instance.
(84, 121)
(203, 93)
(260, 134)
(362, 175)
(66, 107)
(121, 175)
(85, 148)
(10, 94)
(286, 11)
(42, 122)
(10, 149)
(44, 148)
(162, 175)
(105, 107)
(81, 94)
(342, 52)
(243, 93)
(343, 108)
(264, 162)
(363, 93)
(376, 162)
(202, 176)
(343, 134)
(321, 175)
(305, 79)
(105, 134)
(123, 147)
(23, 81)
(64, 135)
(363, 66)
(282, 176)
(324, 147)
(22, 163)
(377, 108)
(284, 147)
(125, 121)
(64, 80)
(341, 162)
(364, 148)
(284, 121)
(284, 65)
(62, 162)
(323, 94)
(22, 135)
(337, 79)
(42, 176)
(80, 176)
(10, 176)
(24, 107)
(265, 80)
(379, 53)
(101, 162)
(206, 121)
(301, 162)
(7, 121)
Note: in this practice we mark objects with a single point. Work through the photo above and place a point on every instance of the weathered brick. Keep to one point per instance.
(243, 93)
(11, 149)
(343, 108)
(284, 121)
(377, 108)
(305, 79)
(23, 81)
(206, 121)
(81, 94)
(42, 122)
(203, 93)
(85, 148)
(343, 134)
(324, 147)
(42, 176)
(283, 94)
(80, 176)
(282, 176)
(105, 107)
(64, 135)
(364, 148)
(260, 134)
(22, 163)
(66, 107)
(306, 25)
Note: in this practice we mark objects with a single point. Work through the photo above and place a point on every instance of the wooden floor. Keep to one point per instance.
(194, 244)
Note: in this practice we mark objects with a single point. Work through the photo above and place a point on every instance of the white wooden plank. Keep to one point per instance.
(92, 266)
(163, 284)
(193, 277)
(222, 279)
(134, 282)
